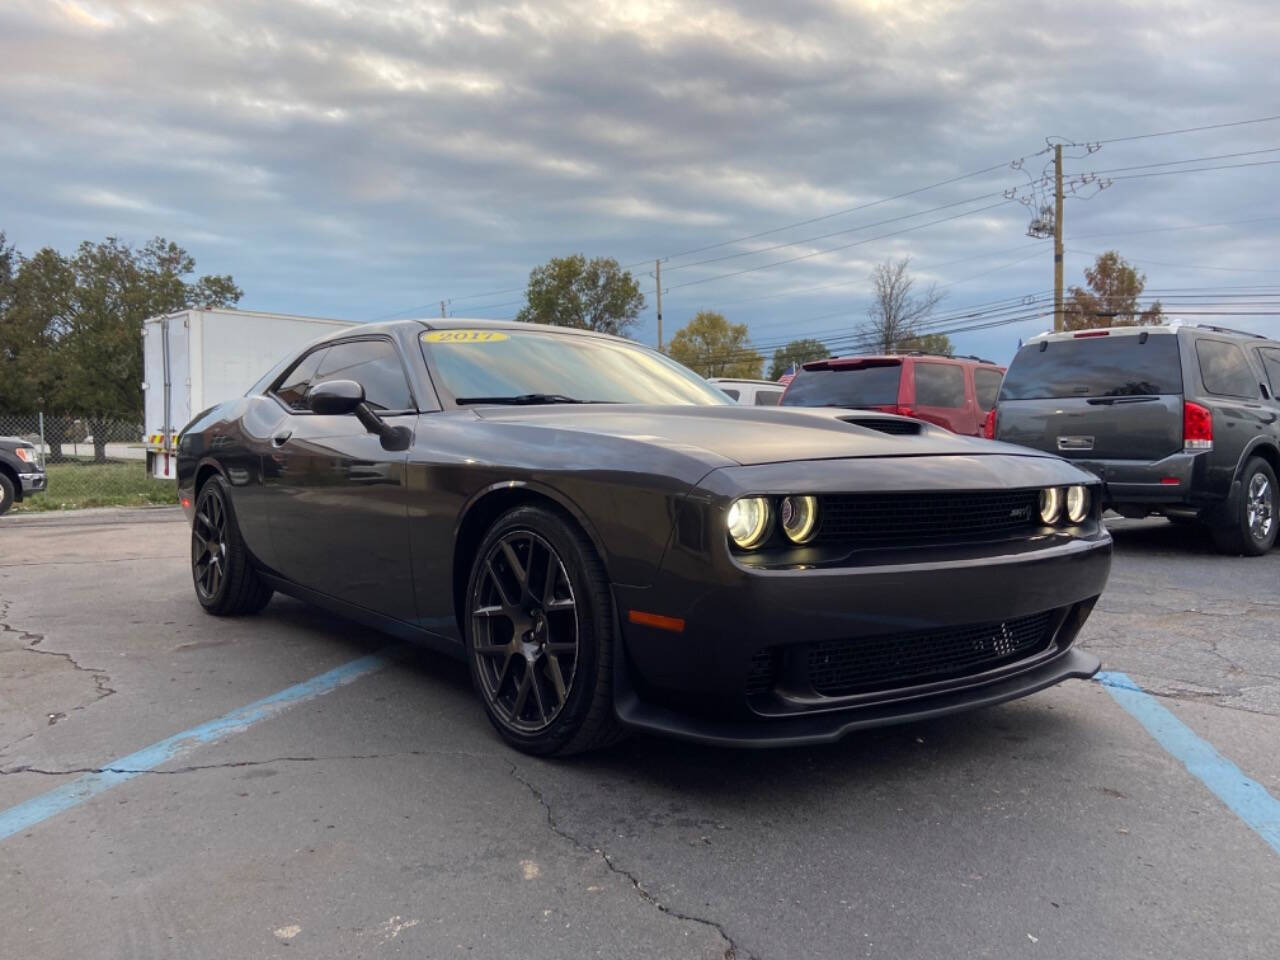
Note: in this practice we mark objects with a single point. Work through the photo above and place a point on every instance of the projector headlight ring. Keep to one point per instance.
(748, 521)
(799, 515)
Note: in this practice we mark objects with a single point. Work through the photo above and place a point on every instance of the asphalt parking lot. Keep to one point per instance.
(373, 812)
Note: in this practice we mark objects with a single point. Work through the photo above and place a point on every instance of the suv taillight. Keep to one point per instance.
(989, 424)
(1197, 427)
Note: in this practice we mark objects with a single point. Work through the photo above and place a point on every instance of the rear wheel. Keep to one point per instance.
(226, 582)
(539, 630)
(1252, 530)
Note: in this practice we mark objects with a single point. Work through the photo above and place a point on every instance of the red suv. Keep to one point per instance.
(953, 392)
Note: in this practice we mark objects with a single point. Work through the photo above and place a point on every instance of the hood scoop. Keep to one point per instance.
(891, 425)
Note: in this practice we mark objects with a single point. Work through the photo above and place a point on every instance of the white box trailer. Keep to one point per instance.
(194, 359)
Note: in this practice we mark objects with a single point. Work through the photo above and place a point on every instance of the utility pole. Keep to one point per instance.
(442, 313)
(657, 266)
(1057, 238)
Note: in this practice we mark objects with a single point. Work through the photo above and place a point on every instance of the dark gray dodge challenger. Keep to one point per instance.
(612, 545)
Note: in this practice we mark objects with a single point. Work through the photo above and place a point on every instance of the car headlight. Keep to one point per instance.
(1050, 504)
(749, 521)
(799, 517)
(1077, 503)
(25, 454)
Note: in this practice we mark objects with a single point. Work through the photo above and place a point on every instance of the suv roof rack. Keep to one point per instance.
(944, 356)
(1239, 333)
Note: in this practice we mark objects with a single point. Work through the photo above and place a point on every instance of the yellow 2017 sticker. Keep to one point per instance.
(463, 336)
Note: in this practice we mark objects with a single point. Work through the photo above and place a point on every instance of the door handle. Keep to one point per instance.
(280, 439)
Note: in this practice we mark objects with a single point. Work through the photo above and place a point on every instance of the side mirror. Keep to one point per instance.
(336, 397)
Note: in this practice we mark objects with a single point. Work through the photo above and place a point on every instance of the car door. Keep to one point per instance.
(941, 396)
(339, 498)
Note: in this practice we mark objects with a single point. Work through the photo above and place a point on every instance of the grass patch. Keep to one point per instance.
(121, 483)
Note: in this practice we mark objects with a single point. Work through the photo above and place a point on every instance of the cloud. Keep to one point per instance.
(354, 158)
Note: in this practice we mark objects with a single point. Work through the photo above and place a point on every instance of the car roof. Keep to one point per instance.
(889, 358)
(463, 323)
(1160, 329)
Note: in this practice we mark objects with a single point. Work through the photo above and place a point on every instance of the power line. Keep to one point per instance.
(1185, 266)
(1174, 163)
(1189, 226)
(1171, 133)
(820, 253)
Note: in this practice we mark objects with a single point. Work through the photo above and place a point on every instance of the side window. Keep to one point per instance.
(1271, 362)
(768, 398)
(939, 384)
(986, 384)
(1224, 369)
(293, 387)
(375, 365)
(729, 392)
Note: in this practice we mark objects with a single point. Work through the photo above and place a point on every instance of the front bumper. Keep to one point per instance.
(697, 683)
(33, 482)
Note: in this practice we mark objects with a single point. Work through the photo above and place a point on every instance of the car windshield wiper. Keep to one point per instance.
(523, 399)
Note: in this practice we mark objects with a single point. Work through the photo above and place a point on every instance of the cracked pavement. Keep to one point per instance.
(385, 818)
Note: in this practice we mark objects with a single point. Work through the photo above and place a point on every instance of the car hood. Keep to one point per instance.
(751, 435)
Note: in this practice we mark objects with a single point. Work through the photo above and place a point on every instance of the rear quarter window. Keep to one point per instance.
(768, 398)
(1224, 369)
(986, 384)
(730, 392)
(1112, 366)
(939, 384)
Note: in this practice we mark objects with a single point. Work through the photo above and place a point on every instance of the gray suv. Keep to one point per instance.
(1177, 420)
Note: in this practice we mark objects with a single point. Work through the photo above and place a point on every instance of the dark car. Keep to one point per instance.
(611, 544)
(952, 392)
(1181, 421)
(21, 471)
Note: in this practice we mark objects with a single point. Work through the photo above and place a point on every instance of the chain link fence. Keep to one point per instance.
(90, 462)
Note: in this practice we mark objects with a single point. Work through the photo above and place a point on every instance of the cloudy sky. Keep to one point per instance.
(359, 159)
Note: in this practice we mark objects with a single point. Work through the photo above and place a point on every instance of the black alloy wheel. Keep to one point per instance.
(225, 580)
(1252, 531)
(539, 634)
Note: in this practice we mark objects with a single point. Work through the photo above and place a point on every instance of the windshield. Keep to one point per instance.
(1121, 366)
(512, 364)
(864, 386)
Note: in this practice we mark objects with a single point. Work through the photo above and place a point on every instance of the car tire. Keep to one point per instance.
(540, 636)
(222, 571)
(1252, 529)
(7, 494)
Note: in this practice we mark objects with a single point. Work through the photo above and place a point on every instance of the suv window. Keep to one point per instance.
(375, 365)
(768, 398)
(293, 386)
(939, 384)
(730, 392)
(1271, 363)
(1224, 369)
(986, 384)
(1120, 366)
(873, 385)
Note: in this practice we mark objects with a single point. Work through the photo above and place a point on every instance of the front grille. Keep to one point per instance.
(913, 519)
(762, 672)
(839, 668)
(900, 428)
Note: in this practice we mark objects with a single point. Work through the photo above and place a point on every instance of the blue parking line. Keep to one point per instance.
(1246, 798)
(37, 809)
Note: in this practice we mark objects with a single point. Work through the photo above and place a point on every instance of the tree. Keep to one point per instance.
(592, 294)
(1112, 297)
(938, 344)
(896, 310)
(713, 347)
(797, 352)
(71, 330)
